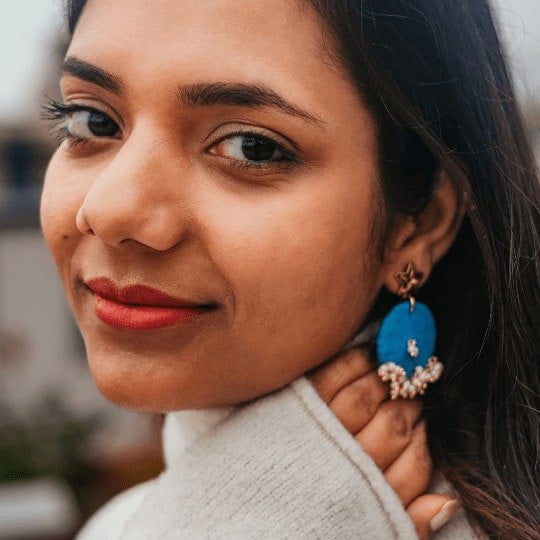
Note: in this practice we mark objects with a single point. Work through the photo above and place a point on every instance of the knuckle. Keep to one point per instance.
(400, 425)
(421, 450)
(363, 398)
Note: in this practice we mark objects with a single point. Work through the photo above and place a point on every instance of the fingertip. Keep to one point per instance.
(444, 515)
(431, 512)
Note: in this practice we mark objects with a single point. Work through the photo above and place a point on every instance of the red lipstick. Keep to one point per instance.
(139, 307)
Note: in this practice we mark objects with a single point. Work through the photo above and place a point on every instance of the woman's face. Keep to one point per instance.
(216, 154)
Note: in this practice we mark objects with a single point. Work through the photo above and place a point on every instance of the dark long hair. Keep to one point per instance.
(434, 74)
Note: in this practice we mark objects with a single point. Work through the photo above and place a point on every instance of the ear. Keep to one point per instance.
(424, 239)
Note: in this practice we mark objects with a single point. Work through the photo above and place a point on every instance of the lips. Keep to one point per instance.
(139, 307)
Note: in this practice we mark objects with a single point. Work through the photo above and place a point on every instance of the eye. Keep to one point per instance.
(79, 123)
(88, 124)
(248, 147)
(252, 149)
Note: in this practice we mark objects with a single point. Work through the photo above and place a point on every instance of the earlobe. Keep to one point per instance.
(424, 239)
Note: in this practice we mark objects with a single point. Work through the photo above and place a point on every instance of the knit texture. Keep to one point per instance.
(280, 467)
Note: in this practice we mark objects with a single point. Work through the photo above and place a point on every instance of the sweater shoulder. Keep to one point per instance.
(280, 467)
(113, 517)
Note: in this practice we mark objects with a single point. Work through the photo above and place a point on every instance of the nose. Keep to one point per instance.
(136, 197)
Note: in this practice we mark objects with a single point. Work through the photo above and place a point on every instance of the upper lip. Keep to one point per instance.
(140, 295)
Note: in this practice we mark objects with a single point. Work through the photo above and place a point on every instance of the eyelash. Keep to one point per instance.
(57, 112)
(288, 158)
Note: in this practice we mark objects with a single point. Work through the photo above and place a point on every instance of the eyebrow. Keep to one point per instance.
(92, 74)
(223, 94)
(240, 95)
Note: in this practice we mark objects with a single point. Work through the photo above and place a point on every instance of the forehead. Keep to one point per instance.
(280, 43)
(230, 33)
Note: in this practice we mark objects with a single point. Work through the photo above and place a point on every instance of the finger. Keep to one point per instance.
(431, 512)
(410, 473)
(389, 432)
(329, 379)
(357, 403)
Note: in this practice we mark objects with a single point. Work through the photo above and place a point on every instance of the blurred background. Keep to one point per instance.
(64, 450)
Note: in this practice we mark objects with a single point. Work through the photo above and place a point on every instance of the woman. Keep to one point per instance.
(239, 185)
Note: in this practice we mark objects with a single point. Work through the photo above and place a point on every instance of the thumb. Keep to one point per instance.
(431, 512)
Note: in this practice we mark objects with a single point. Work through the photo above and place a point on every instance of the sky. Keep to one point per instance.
(28, 29)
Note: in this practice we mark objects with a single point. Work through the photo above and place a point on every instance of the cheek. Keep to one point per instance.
(301, 269)
(60, 203)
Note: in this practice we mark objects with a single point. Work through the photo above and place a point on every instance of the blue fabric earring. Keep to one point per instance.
(406, 341)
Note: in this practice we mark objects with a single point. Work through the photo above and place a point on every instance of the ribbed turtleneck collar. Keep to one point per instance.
(183, 428)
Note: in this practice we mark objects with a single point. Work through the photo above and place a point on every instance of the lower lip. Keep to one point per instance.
(136, 317)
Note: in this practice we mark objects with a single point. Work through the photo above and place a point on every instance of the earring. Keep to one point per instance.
(406, 341)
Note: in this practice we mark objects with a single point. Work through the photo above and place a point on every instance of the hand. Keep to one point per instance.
(390, 431)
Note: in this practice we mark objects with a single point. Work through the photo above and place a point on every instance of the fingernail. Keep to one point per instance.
(443, 516)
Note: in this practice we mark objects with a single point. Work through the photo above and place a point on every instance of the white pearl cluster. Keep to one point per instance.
(402, 386)
(412, 348)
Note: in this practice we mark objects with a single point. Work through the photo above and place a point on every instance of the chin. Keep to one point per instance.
(133, 384)
(128, 393)
(127, 384)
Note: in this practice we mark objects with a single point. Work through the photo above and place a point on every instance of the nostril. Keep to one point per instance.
(82, 224)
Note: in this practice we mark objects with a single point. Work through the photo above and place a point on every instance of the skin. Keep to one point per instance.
(285, 252)
(156, 207)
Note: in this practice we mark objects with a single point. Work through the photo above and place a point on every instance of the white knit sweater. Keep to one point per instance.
(280, 467)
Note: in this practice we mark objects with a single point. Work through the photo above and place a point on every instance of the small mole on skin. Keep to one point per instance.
(65, 237)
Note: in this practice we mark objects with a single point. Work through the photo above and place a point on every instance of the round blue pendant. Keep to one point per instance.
(405, 338)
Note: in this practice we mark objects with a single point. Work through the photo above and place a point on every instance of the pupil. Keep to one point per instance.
(101, 125)
(257, 149)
